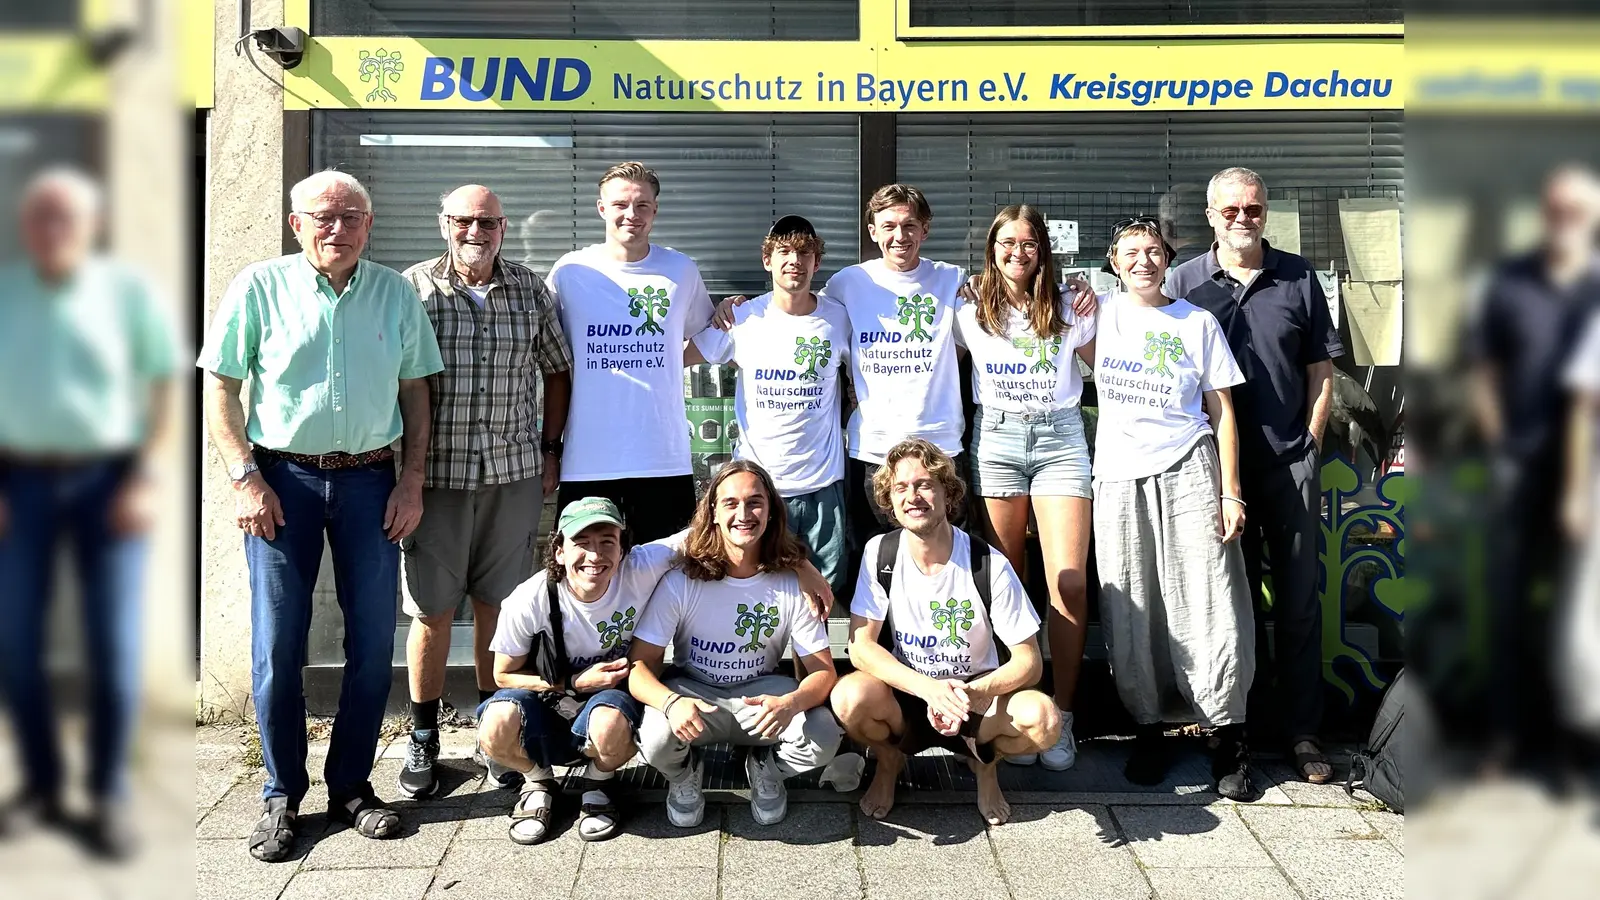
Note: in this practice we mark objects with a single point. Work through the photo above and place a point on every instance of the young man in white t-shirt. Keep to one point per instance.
(547, 713)
(627, 306)
(789, 345)
(958, 674)
(728, 611)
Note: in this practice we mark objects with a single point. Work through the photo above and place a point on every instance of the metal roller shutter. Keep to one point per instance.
(1121, 164)
(725, 178)
(725, 20)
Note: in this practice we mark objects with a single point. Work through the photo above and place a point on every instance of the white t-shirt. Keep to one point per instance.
(1018, 372)
(479, 292)
(594, 632)
(1152, 368)
(787, 400)
(901, 354)
(734, 630)
(939, 626)
(627, 323)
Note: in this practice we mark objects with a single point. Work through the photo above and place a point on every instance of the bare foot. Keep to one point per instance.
(879, 798)
(992, 804)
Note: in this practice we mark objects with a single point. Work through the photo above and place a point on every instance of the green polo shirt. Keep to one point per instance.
(324, 368)
(77, 359)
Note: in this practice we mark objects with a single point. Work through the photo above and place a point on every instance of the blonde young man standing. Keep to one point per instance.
(627, 306)
(488, 472)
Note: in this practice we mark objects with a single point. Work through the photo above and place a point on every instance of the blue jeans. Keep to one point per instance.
(550, 740)
(347, 504)
(48, 504)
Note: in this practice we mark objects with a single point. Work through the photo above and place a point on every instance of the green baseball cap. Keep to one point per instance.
(580, 514)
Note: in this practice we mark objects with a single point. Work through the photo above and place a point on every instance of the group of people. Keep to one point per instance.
(1213, 382)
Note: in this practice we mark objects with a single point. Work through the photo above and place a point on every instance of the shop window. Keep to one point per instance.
(725, 20)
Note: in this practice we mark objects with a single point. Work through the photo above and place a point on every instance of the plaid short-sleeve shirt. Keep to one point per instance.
(485, 402)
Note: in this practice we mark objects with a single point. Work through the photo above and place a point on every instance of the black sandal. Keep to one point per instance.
(537, 816)
(273, 837)
(1304, 759)
(603, 814)
(367, 815)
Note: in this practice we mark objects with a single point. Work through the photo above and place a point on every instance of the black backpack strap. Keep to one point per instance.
(560, 664)
(983, 580)
(888, 551)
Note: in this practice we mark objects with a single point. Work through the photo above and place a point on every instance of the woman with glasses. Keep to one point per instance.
(1175, 606)
(1028, 446)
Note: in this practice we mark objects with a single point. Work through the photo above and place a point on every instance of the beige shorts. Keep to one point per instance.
(479, 544)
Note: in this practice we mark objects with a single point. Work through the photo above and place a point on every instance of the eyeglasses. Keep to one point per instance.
(325, 220)
(1253, 211)
(485, 223)
(1027, 247)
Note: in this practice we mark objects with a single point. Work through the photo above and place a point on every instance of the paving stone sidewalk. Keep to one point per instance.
(1082, 833)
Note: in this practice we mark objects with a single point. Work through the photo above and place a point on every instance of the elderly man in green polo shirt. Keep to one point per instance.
(85, 358)
(337, 350)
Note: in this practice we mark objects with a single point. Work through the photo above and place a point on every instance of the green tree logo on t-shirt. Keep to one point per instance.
(651, 303)
(954, 617)
(811, 354)
(917, 310)
(1046, 348)
(757, 622)
(614, 630)
(1164, 349)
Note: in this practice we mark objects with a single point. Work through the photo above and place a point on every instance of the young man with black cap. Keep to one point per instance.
(789, 345)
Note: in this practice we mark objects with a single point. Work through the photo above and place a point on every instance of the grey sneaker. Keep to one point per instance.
(499, 776)
(769, 797)
(686, 805)
(1061, 757)
(417, 779)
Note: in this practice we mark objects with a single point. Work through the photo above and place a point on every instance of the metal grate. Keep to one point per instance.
(1321, 240)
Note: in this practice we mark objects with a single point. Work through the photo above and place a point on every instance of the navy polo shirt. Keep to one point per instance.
(1276, 326)
(1527, 328)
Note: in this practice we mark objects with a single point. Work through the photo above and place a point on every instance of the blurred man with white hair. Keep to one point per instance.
(338, 350)
(1518, 345)
(86, 355)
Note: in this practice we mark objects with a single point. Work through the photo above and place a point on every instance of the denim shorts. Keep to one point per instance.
(1030, 454)
(550, 740)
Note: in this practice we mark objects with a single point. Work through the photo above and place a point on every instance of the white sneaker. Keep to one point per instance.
(769, 797)
(686, 805)
(1061, 757)
(1026, 759)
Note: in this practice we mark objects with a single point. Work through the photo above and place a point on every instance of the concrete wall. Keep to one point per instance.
(245, 200)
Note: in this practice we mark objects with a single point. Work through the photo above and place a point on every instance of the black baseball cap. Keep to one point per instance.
(792, 225)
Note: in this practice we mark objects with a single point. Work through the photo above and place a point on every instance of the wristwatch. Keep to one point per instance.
(242, 471)
(553, 448)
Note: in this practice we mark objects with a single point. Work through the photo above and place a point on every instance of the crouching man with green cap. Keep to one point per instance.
(560, 661)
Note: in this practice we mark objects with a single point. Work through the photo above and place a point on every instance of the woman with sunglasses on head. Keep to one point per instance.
(1175, 605)
(1028, 445)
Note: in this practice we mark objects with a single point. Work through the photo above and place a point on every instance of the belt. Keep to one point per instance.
(1034, 418)
(339, 460)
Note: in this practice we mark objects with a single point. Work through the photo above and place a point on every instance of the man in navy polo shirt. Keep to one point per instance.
(1276, 318)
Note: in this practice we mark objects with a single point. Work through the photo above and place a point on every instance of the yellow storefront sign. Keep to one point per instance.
(1539, 67)
(833, 76)
(49, 73)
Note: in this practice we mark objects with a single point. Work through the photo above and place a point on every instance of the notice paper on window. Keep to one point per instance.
(1371, 229)
(1330, 289)
(1374, 311)
(1063, 236)
(1282, 229)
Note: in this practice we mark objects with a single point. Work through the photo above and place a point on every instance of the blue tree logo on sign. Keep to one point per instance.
(382, 66)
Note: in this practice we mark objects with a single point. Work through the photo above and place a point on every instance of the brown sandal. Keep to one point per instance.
(1304, 760)
(531, 824)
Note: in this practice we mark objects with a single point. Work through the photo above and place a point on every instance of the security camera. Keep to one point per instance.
(286, 44)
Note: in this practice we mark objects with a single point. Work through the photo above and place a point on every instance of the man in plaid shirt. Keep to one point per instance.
(488, 469)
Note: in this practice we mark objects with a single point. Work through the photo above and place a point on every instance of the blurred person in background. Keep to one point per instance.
(1579, 673)
(1279, 328)
(86, 357)
(1517, 345)
(338, 350)
(488, 470)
